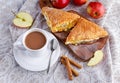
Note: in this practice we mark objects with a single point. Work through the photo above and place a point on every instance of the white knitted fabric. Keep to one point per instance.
(108, 71)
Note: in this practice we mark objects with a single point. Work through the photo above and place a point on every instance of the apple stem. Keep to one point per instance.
(14, 13)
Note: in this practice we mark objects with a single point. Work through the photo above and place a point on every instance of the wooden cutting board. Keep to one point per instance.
(83, 51)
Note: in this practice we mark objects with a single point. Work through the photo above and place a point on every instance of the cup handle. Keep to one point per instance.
(19, 45)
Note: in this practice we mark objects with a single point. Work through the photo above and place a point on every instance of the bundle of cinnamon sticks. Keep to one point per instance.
(67, 62)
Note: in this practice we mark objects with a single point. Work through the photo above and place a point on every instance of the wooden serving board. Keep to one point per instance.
(83, 51)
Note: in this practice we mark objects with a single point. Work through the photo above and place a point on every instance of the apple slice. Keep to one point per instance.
(23, 20)
(98, 56)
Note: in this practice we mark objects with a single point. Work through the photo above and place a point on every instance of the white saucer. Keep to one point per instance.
(34, 63)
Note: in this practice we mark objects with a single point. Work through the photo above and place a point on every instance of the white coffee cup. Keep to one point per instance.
(36, 52)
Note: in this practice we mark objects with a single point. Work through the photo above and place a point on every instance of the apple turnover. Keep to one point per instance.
(59, 20)
(85, 31)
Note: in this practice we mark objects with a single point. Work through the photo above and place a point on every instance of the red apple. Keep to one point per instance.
(95, 9)
(59, 3)
(79, 2)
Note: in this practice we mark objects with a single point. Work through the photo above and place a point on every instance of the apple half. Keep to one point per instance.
(98, 56)
(23, 20)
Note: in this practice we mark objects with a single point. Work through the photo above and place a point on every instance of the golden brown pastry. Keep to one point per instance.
(85, 31)
(59, 20)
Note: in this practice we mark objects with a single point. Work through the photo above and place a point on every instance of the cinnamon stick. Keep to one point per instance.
(68, 68)
(73, 70)
(72, 62)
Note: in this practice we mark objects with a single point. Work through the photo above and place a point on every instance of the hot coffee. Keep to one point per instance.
(35, 40)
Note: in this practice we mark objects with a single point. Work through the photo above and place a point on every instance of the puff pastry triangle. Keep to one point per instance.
(59, 20)
(85, 31)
